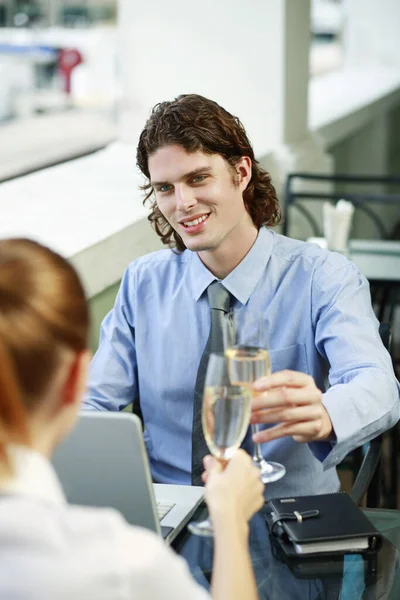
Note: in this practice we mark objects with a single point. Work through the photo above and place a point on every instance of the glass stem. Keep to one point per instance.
(257, 456)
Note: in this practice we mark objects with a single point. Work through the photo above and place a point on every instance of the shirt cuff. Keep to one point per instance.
(322, 449)
(345, 424)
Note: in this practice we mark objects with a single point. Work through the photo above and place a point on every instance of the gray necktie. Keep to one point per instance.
(220, 300)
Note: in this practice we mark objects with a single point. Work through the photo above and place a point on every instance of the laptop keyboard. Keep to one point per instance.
(163, 509)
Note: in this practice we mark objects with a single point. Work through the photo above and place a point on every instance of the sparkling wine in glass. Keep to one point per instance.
(225, 416)
(245, 365)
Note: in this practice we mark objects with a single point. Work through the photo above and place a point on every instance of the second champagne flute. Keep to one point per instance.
(247, 362)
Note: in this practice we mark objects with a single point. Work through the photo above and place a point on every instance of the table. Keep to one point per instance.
(350, 579)
(378, 260)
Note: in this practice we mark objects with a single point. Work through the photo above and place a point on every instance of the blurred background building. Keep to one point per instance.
(35, 33)
(52, 13)
(316, 83)
(55, 55)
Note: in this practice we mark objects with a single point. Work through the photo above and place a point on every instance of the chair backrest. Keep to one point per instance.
(374, 449)
(367, 469)
(362, 201)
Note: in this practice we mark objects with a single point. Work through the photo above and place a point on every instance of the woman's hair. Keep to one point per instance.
(43, 311)
(198, 124)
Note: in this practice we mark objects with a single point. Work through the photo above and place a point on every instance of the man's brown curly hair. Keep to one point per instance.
(198, 124)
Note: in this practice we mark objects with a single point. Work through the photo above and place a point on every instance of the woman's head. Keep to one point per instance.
(44, 324)
(198, 124)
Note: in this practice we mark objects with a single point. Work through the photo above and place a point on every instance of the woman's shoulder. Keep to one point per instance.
(145, 561)
(105, 523)
(87, 551)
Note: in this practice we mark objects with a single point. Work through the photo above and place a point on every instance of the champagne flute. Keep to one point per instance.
(246, 363)
(225, 417)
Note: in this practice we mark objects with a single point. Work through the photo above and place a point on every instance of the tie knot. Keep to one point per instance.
(218, 296)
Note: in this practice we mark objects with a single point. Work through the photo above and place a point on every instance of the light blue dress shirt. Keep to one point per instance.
(318, 319)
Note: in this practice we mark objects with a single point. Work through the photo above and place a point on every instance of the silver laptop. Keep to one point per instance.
(103, 462)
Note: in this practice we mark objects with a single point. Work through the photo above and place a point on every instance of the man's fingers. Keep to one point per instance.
(286, 396)
(283, 378)
(292, 401)
(300, 431)
(285, 415)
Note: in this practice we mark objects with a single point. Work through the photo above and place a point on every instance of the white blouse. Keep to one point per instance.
(50, 550)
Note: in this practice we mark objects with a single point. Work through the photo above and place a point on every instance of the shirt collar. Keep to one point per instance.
(242, 281)
(33, 476)
(200, 276)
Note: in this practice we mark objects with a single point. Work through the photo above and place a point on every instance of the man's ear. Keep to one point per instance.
(244, 171)
(75, 379)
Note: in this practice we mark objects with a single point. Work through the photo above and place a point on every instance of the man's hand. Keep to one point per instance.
(293, 401)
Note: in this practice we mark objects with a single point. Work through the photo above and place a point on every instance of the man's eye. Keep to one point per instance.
(164, 188)
(198, 178)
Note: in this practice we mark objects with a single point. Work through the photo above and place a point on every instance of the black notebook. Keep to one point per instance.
(331, 523)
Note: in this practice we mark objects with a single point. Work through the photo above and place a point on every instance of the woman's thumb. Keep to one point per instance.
(211, 465)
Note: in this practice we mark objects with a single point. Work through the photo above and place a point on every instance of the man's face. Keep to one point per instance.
(201, 196)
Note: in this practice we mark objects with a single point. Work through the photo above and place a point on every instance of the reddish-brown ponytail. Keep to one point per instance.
(13, 424)
(42, 310)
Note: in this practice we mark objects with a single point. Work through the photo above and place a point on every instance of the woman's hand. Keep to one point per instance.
(234, 493)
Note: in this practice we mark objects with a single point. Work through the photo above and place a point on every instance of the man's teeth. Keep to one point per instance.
(195, 222)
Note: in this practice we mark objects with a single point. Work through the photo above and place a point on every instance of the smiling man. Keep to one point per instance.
(212, 203)
(201, 197)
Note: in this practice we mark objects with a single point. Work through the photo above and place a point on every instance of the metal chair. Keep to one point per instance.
(362, 201)
(366, 473)
(368, 479)
(385, 296)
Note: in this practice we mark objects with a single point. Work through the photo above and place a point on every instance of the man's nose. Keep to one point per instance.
(185, 198)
